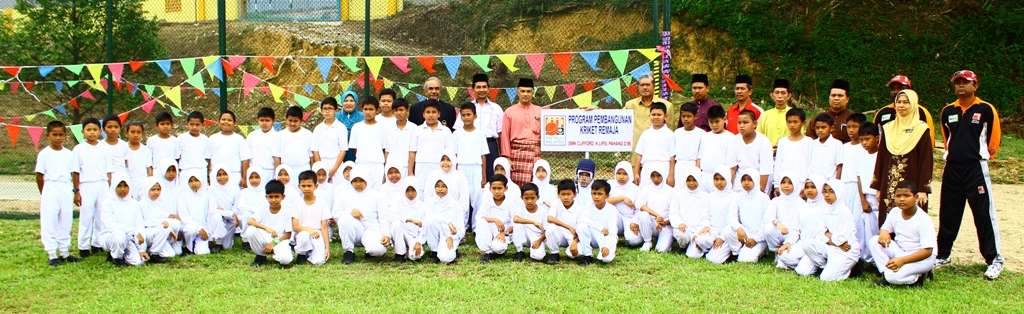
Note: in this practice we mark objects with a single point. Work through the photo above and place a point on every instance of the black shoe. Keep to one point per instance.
(551, 259)
(97, 250)
(731, 259)
(258, 261)
(157, 259)
(216, 249)
(70, 259)
(857, 270)
(109, 258)
(433, 256)
(399, 258)
(84, 253)
(245, 247)
(486, 258)
(818, 273)
(301, 259)
(185, 251)
(586, 260)
(920, 281)
(348, 257)
(53, 262)
(518, 257)
(882, 283)
(119, 262)
(367, 256)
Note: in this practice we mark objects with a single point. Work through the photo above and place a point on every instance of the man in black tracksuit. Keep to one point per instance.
(971, 130)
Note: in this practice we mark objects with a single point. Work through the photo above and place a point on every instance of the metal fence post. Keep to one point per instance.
(366, 49)
(223, 51)
(110, 56)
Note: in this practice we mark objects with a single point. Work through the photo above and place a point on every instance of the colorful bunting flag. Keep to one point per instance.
(509, 61)
(268, 62)
(116, 69)
(511, 92)
(303, 100)
(483, 61)
(136, 65)
(427, 62)
(324, 63)
(45, 70)
(276, 91)
(570, 89)
(76, 130)
(148, 106)
(583, 99)
(61, 110)
(35, 132)
(402, 63)
(351, 62)
(452, 63)
(562, 60)
(249, 81)
(614, 90)
(650, 53)
(188, 65)
(452, 92)
(536, 62)
(374, 64)
(591, 58)
(619, 57)
(96, 70)
(123, 116)
(324, 87)
(173, 94)
(165, 65)
(13, 71)
(77, 68)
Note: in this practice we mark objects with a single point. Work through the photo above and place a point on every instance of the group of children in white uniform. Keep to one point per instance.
(702, 191)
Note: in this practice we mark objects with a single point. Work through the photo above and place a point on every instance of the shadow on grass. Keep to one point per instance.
(5, 215)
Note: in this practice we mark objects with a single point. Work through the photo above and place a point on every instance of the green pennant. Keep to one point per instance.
(627, 79)
(324, 87)
(197, 81)
(77, 131)
(619, 58)
(482, 61)
(73, 83)
(50, 113)
(614, 89)
(303, 101)
(403, 90)
(77, 69)
(351, 62)
(150, 89)
(189, 65)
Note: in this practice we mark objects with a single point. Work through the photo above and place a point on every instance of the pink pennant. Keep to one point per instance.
(265, 89)
(402, 63)
(14, 87)
(15, 120)
(35, 132)
(570, 89)
(306, 115)
(148, 106)
(116, 69)
(536, 62)
(88, 95)
(145, 96)
(235, 61)
(249, 81)
(13, 130)
(361, 80)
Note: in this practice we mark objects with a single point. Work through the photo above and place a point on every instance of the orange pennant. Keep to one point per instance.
(136, 65)
(208, 122)
(427, 63)
(74, 103)
(268, 62)
(29, 85)
(13, 71)
(589, 86)
(494, 93)
(562, 61)
(228, 69)
(123, 116)
(672, 84)
(631, 89)
(378, 84)
(14, 130)
(200, 92)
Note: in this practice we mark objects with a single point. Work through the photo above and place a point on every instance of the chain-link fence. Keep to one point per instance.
(177, 56)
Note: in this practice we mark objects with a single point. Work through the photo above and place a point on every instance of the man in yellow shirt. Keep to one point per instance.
(641, 107)
(773, 121)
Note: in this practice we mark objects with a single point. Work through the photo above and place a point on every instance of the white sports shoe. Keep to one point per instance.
(646, 247)
(993, 271)
(939, 262)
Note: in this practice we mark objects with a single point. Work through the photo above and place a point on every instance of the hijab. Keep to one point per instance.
(726, 173)
(902, 134)
(548, 192)
(169, 189)
(224, 194)
(393, 191)
(349, 118)
(837, 188)
(819, 184)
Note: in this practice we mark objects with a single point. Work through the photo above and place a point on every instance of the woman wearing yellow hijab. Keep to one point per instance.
(905, 154)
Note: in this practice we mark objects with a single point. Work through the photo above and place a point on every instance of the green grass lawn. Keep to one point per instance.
(639, 282)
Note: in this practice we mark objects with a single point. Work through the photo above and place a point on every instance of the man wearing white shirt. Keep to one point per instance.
(488, 120)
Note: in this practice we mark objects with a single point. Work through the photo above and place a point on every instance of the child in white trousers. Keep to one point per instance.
(842, 251)
(530, 222)
(363, 218)
(161, 228)
(688, 211)
(123, 225)
(444, 226)
(407, 223)
(746, 237)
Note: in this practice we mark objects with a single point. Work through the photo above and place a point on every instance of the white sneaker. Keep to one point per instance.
(646, 247)
(939, 262)
(993, 271)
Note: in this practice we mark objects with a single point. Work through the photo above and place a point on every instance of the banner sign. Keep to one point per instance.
(567, 130)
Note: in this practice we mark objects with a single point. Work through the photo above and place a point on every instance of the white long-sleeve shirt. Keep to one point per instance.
(689, 208)
(370, 203)
(750, 209)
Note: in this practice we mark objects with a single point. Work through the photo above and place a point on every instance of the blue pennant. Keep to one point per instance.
(511, 92)
(591, 58)
(165, 65)
(59, 85)
(452, 63)
(45, 70)
(325, 65)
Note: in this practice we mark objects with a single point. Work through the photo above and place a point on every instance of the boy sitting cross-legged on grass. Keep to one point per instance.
(905, 258)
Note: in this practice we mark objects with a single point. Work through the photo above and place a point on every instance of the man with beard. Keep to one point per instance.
(838, 97)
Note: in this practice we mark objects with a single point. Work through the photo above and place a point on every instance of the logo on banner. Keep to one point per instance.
(554, 128)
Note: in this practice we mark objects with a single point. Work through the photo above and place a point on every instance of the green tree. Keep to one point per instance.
(68, 32)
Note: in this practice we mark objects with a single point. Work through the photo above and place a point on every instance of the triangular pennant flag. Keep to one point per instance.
(378, 84)
(324, 87)
(197, 81)
(30, 117)
(268, 62)
(28, 85)
(244, 129)
(305, 116)
(483, 61)
(132, 88)
(374, 64)
(511, 92)
(308, 88)
(609, 99)
(631, 89)
(452, 92)
(148, 106)
(414, 86)
(345, 85)
(264, 89)
(49, 113)
(208, 122)
(215, 68)
(509, 61)
(591, 58)
(493, 93)
(95, 70)
(641, 71)
(87, 95)
(650, 53)
(61, 110)
(276, 91)
(77, 68)
(303, 100)
(235, 61)
(74, 103)
(614, 90)
(562, 60)
(116, 69)
(536, 62)
(76, 130)
(15, 120)
(627, 79)
(249, 81)
(173, 94)
(351, 62)
(324, 63)
(175, 111)
(452, 63)
(149, 88)
(402, 63)
(619, 57)
(14, 87)
(420, 97)
(570, 89)
(35, 132)
(388, 83)
(165, 65)
(45, 70)
(188, 65)
(672, 84)
(13, 71)
(97, 85)
(136, 65)
(403, 91)
(277, 126)
(589, 86)
(216, 91)
(583, 99)
(550, 90)
(123, 116)
(72, 83)
(427, 62)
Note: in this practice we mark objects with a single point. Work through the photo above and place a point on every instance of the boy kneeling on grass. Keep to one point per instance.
(905, 259)
(494, 220)
(270, 228)
(562, 222)
(530, 222)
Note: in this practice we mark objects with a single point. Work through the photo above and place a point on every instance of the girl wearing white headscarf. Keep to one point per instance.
(652, 210)
(200, 215)
(393, 188)
(166, 174)
(161, 228)
(253, 197)
(225, 193)
(812, 230)
(782, 219)
(458, 185)
(548, 194)
(842, 251)
(688, 211)
(624, 194)
(722, 211)
(123, 225)
(408, 214)
(445, 228)
(290, 180)
(502, 167)
(751, 205)
(363, 217)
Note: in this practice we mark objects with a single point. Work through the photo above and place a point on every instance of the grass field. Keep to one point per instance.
(639, 282)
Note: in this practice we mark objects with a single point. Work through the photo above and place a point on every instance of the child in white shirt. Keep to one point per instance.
(294, 144)
(138, 157)
(262, 144)
(170, 190)
(271, 231)
(393, 188)
(782, 219)
(408, 215)
(363, 218)
(623, 194)
(458, 188)
(793, 154)
(652, 212)
(655, 149)
(471, 150)
(548, 194)
(842, 250)
(431, 138)
(865, 210)
(493, 220)
(330, 139)
(746, 235)
(230, 149)
(368, 139)
(162, 144)
(714, 147)
(162, 227)
(400, 136)
(225, 194)
(687, 142)
(324, 188)
(811, 233)
(195, 148)
(751, 149)
(530, 220)
(252, 198)
(600, 219)
(94, 182)
(285, 174)
(688, 212)
(563, 221)
(202, 220)
(501, 166)
(123, 225)
(116, 149)
(54, 167)
(445, 226)
(826, 152)
(907, 257)
(722, 211)
(309, 223)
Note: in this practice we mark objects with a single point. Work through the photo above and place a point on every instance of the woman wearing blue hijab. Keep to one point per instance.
(349, 116)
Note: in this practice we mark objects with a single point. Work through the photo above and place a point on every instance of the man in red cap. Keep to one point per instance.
(888, 113)
(970, 127)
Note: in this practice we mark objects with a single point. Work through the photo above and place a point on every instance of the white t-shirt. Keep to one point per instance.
(310, 215)
(398, 143)
(501, 212)
(118, 154)
(261, 147)
(139, 161)
(295, 149)
(469, 146)
(656, 145)
(912, 234)
(229, 150)
(488, 119)
(825, 157)
(368, 141)
(540, 215)
(714, 148)
(866, 171)
(330, 140)
(280, 222)
(757, 154)
(195, 150)
(57, 165)
(162, 148)
(385, 120)
(792, 157)
(853, 154)
(687, 144)
(93, 163)
(568, 216)
(655, 197)
(433, 142)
